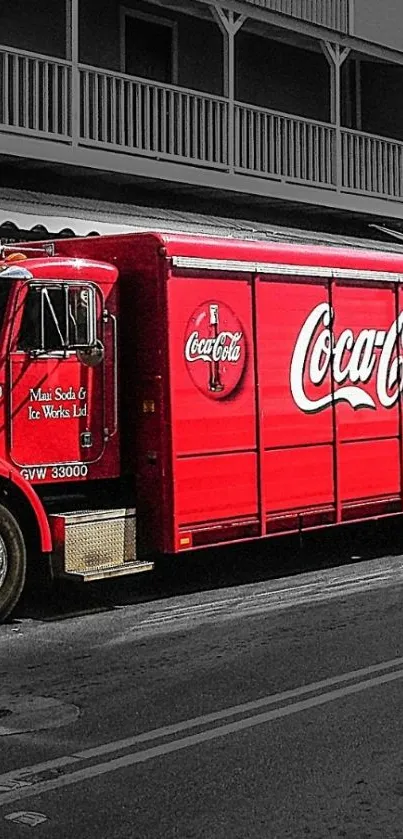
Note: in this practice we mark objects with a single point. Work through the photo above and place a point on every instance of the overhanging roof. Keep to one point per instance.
(29, 215)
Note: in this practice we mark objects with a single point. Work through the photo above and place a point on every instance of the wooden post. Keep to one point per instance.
(358, 95)
(229, 23)
(72, 51)
(336, 58)
(351, 17)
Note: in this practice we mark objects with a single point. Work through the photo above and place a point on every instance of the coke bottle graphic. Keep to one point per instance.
(215, 383)
(215, 349)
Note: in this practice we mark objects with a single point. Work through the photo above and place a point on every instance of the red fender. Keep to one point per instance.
(11, 474)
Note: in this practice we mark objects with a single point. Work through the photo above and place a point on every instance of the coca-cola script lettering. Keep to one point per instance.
(353, 360)
(214, 349)
(225, 347)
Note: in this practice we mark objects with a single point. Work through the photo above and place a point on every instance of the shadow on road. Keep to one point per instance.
(217, 568)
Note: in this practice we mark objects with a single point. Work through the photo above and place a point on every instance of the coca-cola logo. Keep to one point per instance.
(352, 359)
(215, 349)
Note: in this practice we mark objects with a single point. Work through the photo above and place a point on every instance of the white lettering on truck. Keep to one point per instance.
(351, 358)
(225, 347)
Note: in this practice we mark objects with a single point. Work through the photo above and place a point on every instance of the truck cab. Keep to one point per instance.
(59, 429)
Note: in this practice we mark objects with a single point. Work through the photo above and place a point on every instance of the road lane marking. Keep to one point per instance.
(131, 759)
(24, 817)
(17, 780)
(14, 779)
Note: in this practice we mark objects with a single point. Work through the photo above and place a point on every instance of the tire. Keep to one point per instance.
(13, 563)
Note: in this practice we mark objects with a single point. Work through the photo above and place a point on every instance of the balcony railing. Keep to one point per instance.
(372, 165)
(281, 146)
(35, 94)
(334, 14)
(143, 118)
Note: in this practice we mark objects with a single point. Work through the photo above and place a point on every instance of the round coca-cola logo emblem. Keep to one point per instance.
(215, 349)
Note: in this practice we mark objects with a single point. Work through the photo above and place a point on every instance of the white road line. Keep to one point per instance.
(134, 758)
(25, 773)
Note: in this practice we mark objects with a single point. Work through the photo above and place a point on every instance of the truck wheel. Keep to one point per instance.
(13, 563)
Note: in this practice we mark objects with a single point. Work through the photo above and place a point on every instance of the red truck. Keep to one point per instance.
(161, 393)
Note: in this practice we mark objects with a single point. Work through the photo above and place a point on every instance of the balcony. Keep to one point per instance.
(139, 119)
(334, 14)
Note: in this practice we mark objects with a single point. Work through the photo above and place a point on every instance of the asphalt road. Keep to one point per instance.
(252, 701)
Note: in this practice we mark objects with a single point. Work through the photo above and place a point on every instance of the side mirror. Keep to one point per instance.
(93, 355)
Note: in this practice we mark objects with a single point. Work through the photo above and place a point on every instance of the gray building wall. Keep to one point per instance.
(380, 21)
(200, 43)
(34, 26)
(282, 77)
(381, 106)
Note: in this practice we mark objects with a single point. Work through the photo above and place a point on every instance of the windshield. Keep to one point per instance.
(57, 317)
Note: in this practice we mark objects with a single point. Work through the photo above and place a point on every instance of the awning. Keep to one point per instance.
(28, 216)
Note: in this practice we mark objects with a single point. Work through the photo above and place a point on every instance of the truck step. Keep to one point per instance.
(95, 543)
(92, 576)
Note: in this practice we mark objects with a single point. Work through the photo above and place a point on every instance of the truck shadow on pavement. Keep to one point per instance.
(216, 568)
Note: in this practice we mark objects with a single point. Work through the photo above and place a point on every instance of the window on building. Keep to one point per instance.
(148, 46)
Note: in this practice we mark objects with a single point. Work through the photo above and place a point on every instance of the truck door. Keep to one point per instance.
(56, 378)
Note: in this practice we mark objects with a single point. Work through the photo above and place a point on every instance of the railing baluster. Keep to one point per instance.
(250, 141)
(16, 89)
(65, 103)
(112, 124)
(187, 125)
(138, 112)
(193, 120)
(122, 115)
(95, 107)
(86, 105)
(179, 130)
(217, 133)
(272, 144)
(26, 93)
(327, 164)
(244, 128)
(396, 155)
(173, 123)
(4, 115)
(35, 96)
(237, 161)
(202, 132)
(156, 123)
(291, 158)
(147, 115)
(264, 142)
(104, 109)
(209, 130)
(55, 100)
(350, 158)
(46, 103)
(296, 133)
(130, 115)
(311, 163)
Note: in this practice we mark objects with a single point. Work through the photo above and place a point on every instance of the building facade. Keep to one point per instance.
(282, 108)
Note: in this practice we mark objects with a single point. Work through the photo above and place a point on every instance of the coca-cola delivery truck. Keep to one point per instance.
(161, 393)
